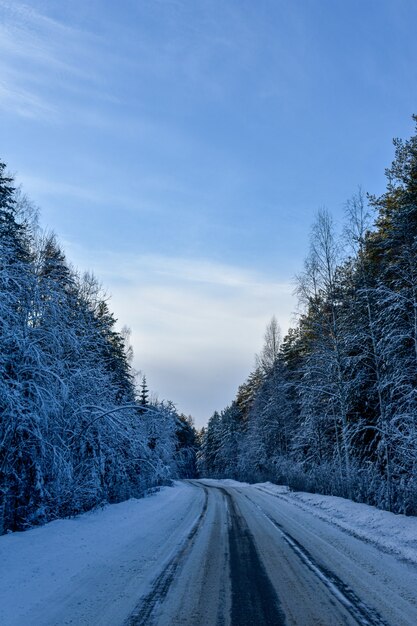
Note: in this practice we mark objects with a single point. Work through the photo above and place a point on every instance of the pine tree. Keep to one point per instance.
(144, 392)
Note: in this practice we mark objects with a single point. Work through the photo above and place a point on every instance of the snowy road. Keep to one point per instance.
(253, 560)
(212, 552)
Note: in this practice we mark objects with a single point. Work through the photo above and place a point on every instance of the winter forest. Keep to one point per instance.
(329, 408)
(332, 407)
(76, 430)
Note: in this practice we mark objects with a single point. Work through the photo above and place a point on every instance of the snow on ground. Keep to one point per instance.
(396, 534)
(122, 545)
(225, 482)
(93, 569)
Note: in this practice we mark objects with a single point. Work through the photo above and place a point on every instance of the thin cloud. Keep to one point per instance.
(40, 40)
(46, 188)
(184, 270)
(24, 103)
(37, 51)
(191, 318)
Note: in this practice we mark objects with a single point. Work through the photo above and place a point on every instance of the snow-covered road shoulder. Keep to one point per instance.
(396, 534)
(178, 553)
(96, 564)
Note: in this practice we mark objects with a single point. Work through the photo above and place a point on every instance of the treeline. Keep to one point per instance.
(333, 407)
(75, 431)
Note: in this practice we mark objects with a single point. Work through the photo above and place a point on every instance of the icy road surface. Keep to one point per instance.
(214, 553)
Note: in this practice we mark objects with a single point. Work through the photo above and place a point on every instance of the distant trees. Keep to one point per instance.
(333, 407)
(74, 430)
(268, 358)
(144, 392)
(187, 446)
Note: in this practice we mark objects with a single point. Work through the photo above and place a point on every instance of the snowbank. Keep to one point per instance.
(97, 562)
(396, 534)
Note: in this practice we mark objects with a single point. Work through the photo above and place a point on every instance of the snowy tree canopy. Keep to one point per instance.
(335, 410)
(75, 432)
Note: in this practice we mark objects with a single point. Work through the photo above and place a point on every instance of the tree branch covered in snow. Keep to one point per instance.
(336, 410)
(73, 429)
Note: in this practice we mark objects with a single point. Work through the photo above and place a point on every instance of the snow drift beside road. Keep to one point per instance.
(88, 561)
(396, 534)
(94, 568)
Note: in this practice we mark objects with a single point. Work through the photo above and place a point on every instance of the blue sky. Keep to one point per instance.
(180, 149)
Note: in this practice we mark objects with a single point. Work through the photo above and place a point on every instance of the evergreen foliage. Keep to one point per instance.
(74, 431)
(335, 410)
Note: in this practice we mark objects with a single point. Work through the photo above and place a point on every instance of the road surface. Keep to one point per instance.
(214, 553)
(252, 558)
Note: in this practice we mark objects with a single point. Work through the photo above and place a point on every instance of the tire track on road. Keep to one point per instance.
(143, 613)
(254, 599)
(363, 614)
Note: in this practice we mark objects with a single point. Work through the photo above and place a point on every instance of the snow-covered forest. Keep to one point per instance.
(332, 407)
(76, 430)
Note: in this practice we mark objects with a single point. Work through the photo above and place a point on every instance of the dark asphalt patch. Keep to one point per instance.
(363, 614)
(254, 600)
